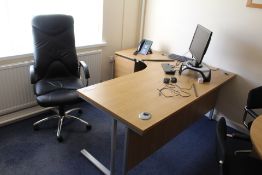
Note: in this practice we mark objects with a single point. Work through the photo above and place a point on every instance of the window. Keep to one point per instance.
(16, 17)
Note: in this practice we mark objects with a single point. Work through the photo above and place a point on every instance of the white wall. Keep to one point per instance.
(236, 44)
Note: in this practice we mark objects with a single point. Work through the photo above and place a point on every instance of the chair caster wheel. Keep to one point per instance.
(60, 139)
(80, 111)
(88, 127)
(36, 127)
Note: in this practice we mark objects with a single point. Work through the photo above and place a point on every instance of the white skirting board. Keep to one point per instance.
(21, 115)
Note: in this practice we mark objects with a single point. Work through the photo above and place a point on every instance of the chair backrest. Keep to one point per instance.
(254, 99)
(54, 46)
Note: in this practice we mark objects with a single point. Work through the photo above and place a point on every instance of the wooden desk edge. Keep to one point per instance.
(135, 57)
(132, 59)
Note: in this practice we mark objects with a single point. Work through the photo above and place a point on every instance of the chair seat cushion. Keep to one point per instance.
(56, 92)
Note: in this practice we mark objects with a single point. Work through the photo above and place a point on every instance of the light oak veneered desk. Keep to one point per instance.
(127, 96)
(126, 62)
(256, 135)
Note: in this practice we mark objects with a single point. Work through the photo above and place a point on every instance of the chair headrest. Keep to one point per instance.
(52, 24)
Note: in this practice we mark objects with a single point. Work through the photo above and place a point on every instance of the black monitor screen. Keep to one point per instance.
(199, 44)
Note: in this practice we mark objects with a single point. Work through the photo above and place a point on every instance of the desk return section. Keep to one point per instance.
(125, 65)
(126, 62)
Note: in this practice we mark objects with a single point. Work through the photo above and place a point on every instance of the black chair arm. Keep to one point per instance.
(33, 76)
(85, 69)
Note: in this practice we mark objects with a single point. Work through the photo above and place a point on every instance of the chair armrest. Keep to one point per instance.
(33, 76)
(85, 69)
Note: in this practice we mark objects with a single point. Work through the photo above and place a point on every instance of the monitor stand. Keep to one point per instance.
(204, 71)
(193, 63)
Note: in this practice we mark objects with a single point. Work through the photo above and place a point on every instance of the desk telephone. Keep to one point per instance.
(144, 47)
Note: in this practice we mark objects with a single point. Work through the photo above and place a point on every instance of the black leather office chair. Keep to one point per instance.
(229, 163)
(254, 101)
(56, 70)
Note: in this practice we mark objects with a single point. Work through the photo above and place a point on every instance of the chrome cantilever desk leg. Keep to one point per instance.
(98, 164)
(113, 146)
(124, 168)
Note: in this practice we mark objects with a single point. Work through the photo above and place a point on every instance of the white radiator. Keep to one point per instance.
(16, 91)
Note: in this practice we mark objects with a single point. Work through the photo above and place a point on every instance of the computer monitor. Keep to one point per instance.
(199, 45)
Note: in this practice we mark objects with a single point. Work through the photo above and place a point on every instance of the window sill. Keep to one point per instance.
(97, 45)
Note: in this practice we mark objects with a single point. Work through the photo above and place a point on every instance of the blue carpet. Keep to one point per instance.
(27, 152)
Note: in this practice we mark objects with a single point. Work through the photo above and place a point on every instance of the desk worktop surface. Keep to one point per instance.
(127, 96)
(256, 135)
(156, 56)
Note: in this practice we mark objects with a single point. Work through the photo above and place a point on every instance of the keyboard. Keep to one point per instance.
(178, 57)
(168, 68)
